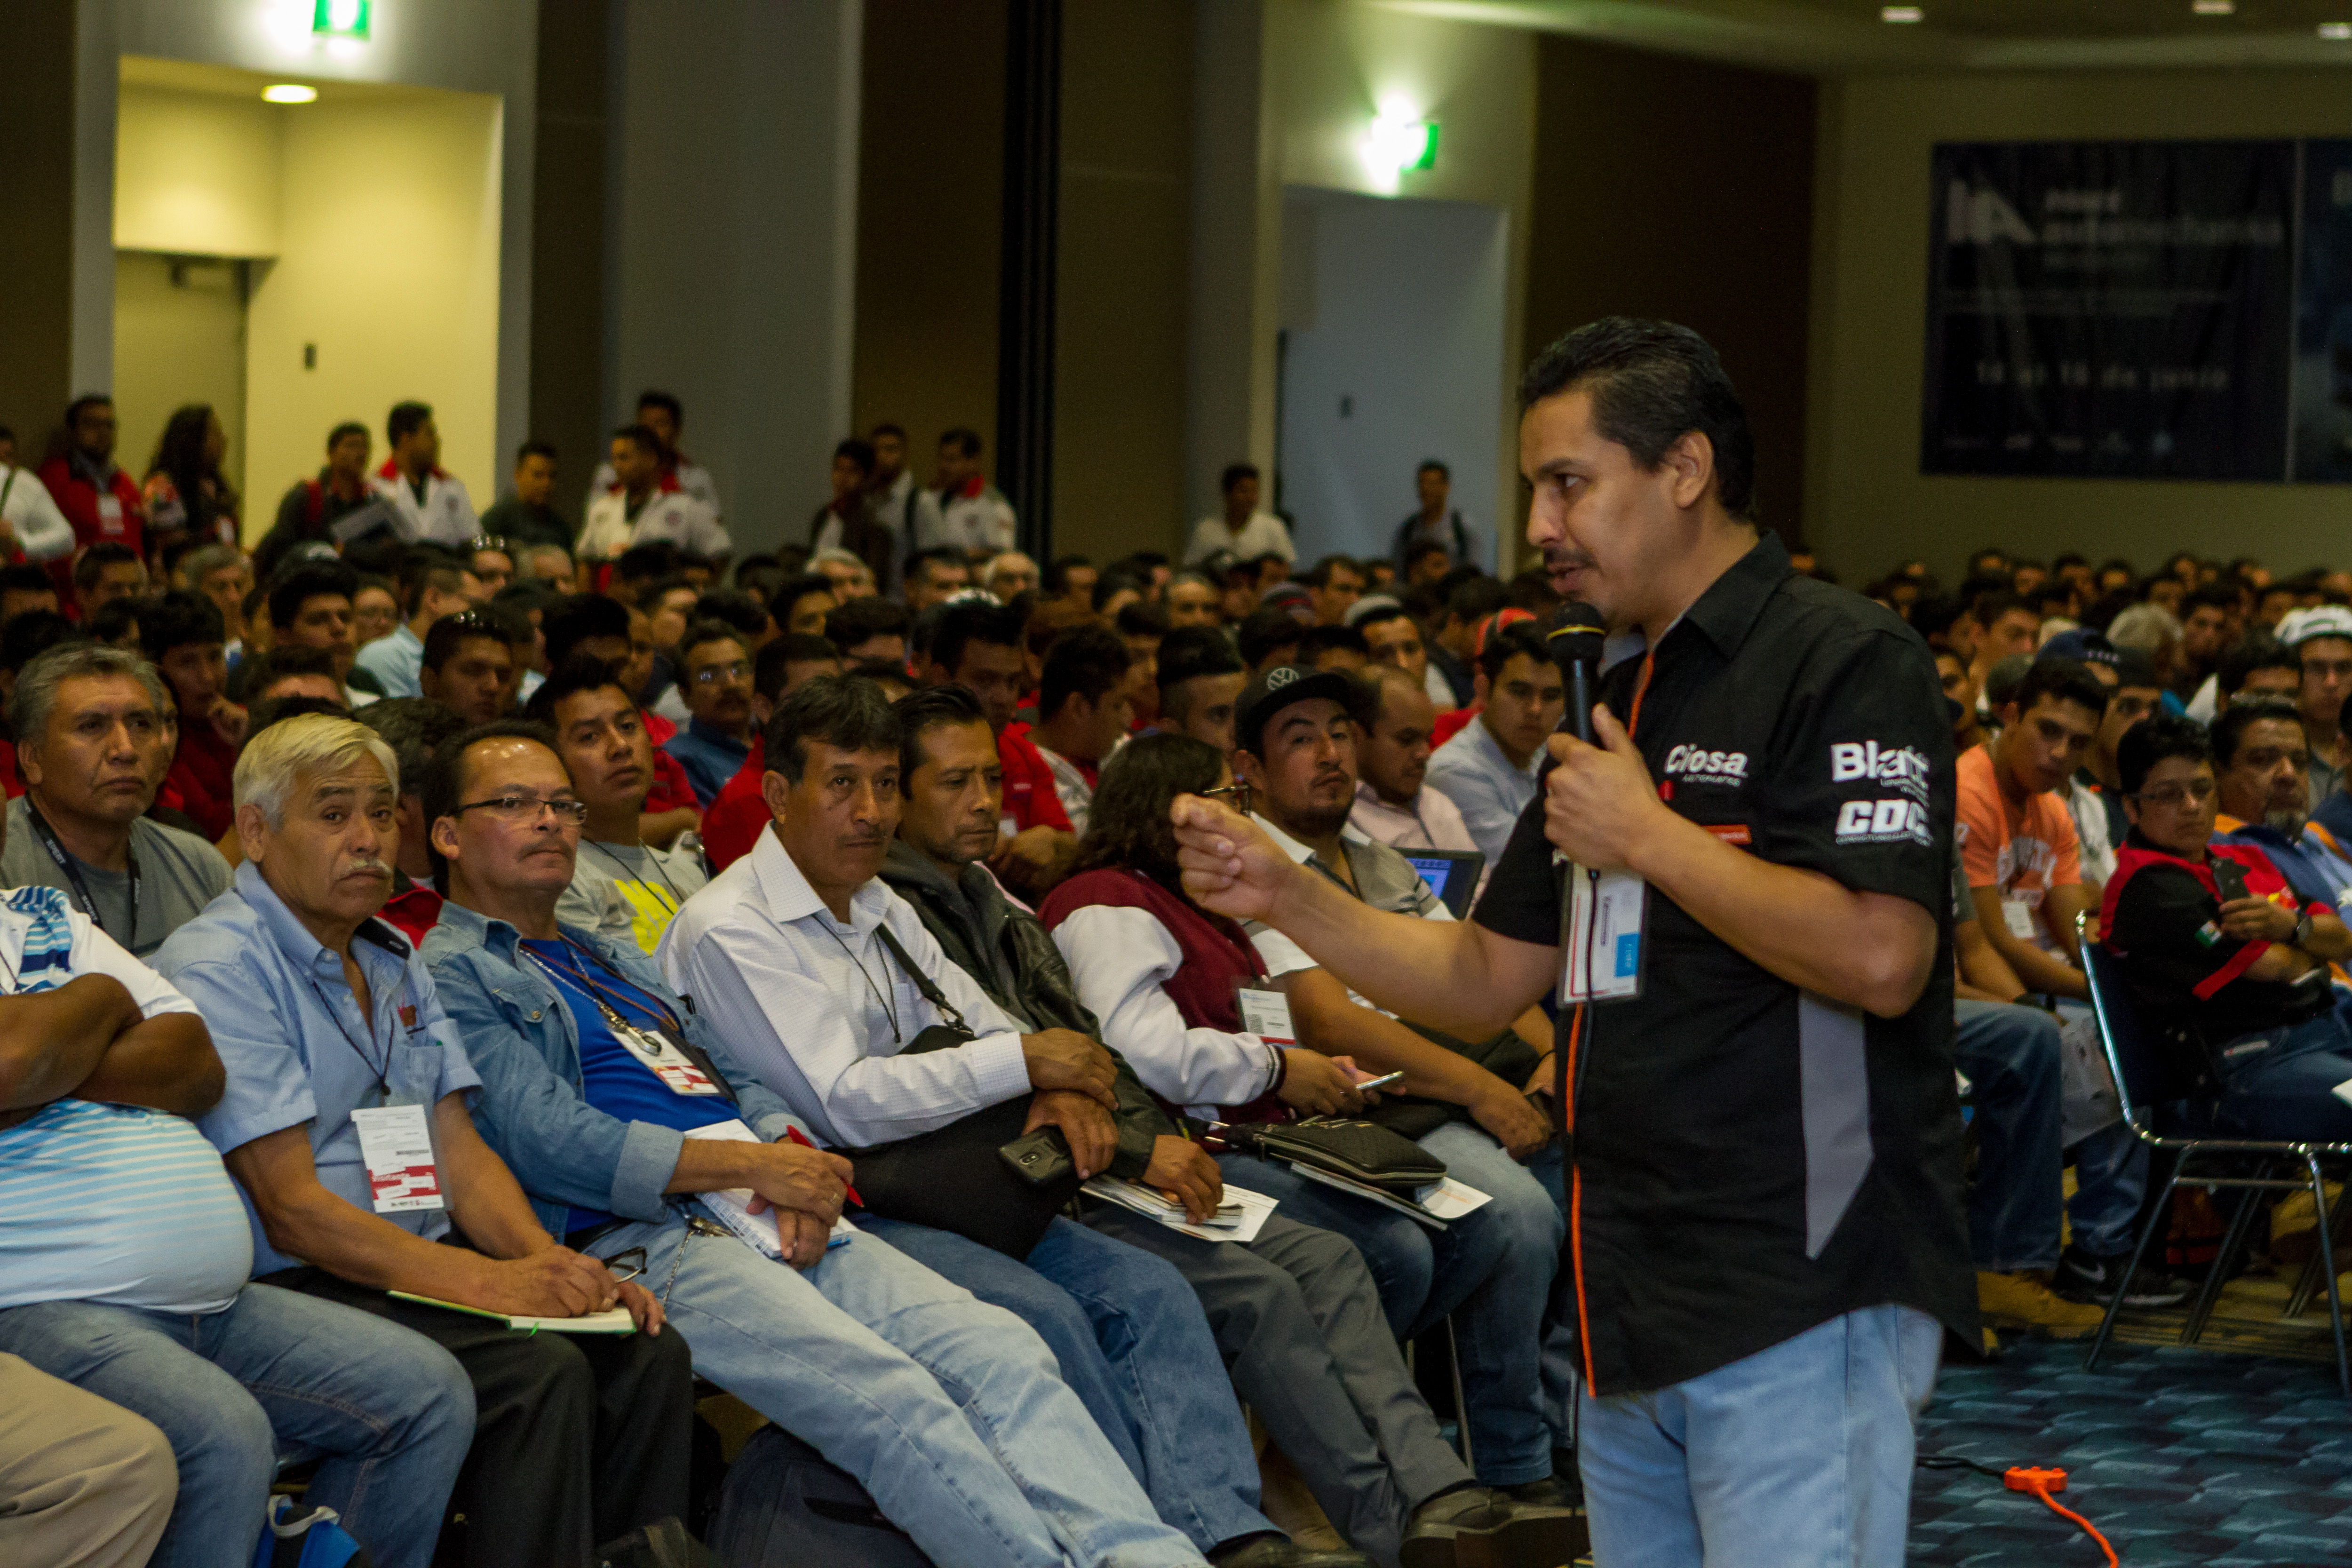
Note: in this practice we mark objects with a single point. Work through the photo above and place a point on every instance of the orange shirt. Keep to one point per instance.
(2024, 851)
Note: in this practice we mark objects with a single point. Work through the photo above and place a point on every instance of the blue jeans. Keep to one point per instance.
(2280, 1084)
(2010, 1053)
(275, 1375)
(1491, 1270)
(1797, 1457)
(947, 1411)
(1137, 1351)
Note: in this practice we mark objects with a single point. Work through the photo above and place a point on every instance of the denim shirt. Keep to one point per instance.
(526, 1047)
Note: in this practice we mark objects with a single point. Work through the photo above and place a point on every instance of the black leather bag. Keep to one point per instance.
(957, 1177)
(1352, 1148)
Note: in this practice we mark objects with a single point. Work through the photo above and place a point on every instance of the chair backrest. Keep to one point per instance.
(2132, 1055)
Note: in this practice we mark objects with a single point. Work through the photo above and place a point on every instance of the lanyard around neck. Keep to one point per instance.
(71, 868)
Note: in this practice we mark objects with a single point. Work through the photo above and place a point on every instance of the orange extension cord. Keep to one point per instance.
(2032, 1480)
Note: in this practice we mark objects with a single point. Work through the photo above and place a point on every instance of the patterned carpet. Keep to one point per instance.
(2234, 1454)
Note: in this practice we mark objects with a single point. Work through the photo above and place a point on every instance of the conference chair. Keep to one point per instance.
(2144, 1084)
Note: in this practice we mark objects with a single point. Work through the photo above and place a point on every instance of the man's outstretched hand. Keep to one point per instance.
(1230, 867)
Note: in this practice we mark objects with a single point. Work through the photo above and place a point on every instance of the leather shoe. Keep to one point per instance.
(1509, 1533)
(1553, 1490)
(1281, 1551)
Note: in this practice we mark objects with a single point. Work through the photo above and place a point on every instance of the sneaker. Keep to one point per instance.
(2080, 1277)
(2020, 1301)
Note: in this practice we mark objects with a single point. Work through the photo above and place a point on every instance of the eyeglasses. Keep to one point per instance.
(1237, 794)
(626, 1264)
(526, 808)
(476, 620)
(712, 675)
(2196, 792)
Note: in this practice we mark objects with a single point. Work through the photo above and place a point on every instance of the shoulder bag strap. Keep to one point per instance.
(923, 983)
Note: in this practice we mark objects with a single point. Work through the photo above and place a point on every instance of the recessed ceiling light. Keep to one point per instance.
(2338, 30)
(289, 92)
(2213, 7)
(1902, 13)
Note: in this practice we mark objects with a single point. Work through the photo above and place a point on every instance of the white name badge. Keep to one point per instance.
(1603, 939)
(665, 1060)
(1266, 1015)
(2018, 914)
(396, 1143)
(110, 507)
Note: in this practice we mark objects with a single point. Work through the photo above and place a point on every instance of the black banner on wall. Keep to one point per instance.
(2115, 309)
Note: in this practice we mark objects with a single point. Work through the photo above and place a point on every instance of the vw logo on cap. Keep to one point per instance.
(1280, 677)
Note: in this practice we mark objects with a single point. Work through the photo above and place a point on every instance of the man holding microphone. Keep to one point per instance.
(1764, 1179)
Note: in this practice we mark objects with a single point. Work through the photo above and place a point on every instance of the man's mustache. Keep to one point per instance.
(370, 867)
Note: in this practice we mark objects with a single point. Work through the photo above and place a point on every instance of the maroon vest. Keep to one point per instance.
(1216, 955)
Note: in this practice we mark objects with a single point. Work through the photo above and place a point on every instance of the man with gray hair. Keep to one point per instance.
(345, 1125)
(93, 727)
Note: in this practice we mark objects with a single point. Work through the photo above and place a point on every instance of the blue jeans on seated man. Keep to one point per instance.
(1491, 1270)
(1797, 1457)
(949, 1412)
(1135, 1348)
(276, 1375)
(2281, 1084)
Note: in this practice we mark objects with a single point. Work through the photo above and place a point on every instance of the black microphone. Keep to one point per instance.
(1575, 640)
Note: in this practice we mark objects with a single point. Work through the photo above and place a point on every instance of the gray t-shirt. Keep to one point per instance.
(178, 874)
(632, 889)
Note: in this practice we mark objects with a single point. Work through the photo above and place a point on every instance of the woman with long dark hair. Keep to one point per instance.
(186, 490)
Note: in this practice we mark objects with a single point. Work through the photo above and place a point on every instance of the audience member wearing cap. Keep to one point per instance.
(2132, 694)
(1489, 768)
(2321, 640)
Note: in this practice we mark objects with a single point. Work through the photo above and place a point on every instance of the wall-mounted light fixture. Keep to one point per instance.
(1397, 139)
(289, 92)
(341, 18)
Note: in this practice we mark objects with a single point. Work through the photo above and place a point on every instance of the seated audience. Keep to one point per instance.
(1489, 767)
(785, 953)
(715, 673)
(2233, 989)
(869, 628)
(621, 886)
(2261, 766)
(1334, 583)
(1195, 599)
(850, 576)
(2259, 663)
(802, 603)
(292, 671)
(25, 588)
(2094, 799)
(435, 586)
(310, 606)
(2154, 631)
(105, 573)
(739, 813)
(327, 1021)
(180, 636)
(92, 727)
(1199, 677)
(1341, 648)
(1392, 636)
(1085, 706)
(1009, 574)
(1268, 636)
(550, 565)
(977, 646)
(82, 1481)
(2321, 640)
(1070, 578)
(469, 665)
(1394, 803)
(527, 517)
(375, 609)
(127, 1255)
(933, 576)
(1142, 626)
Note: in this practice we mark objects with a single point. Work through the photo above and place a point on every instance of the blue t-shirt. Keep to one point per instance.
(611, 1079)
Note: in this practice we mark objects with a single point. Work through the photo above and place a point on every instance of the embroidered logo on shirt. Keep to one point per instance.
(1696, 764)
(1902, 768)
(1882, 821)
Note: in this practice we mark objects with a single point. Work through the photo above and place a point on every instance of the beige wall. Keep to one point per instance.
(1867, 505)
(196, 174)
(179, 337)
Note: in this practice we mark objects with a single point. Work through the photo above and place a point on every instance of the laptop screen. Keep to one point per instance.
(1452, 874)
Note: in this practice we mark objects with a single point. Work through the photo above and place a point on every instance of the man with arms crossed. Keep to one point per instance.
(1758, 1314)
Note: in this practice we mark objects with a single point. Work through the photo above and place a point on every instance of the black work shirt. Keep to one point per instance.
(1751, 1161)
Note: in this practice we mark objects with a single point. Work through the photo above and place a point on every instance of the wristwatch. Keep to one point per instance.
(2303, 927)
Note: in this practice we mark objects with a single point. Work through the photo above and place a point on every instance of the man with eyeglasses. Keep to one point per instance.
(469, 665)
(714, 674)
(2236, 967)
(346, 1125)
(2262, 766)
(2321, 641)
(629, 1115)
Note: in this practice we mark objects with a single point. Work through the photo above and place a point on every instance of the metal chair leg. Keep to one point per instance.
(2327, 1266)
(2232, 1243)
(2146, 1233)
(1461, 1403)
(2306, 1283)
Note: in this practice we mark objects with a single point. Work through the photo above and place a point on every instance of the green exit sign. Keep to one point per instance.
(341, 18)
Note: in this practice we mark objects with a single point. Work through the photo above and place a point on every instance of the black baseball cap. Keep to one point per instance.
(1284, 684)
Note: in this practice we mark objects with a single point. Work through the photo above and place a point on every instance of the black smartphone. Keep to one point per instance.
(2229, 879)
(1039, 1158)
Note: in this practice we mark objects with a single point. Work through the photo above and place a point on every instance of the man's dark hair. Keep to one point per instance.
(858, 452)
(923, 560)
(2219, 595)
(968, 621)
(1235, 474)
(348, 427)
(2255, 650)
(1317, 640)
(1142, 619)
(1379, 613)
(175, 619)
(1265, 630)
(922, 711)
(425, 566)
(534, 447)
(445, 777)
(644, 562)
(2068, 680)
(641, 437)
(1084, 661)
(404, 419)
(577, 617)
(795, 589)
(1110, 583)
(1933, 616)
(1319, 574)
(26, 577)
(1475, 600)
(581, 672)
(886, 429)
(2230, 724)
(1994, 603)
(736, 608)
(1420, 550)
(87, 400)
(760, 576)
(292, 659)
(772, 666)
(837, 711)
(27, 637)
(966, 442)
(665, 402)
(451, 632)
(847, 625)
(1652, 384)
(116, 619)
(1189, 652)
(414, 727)
(1057, 579)
(308, 580)
(1127, 824)
(698, 633)
(1505, 643)
(97, 558)
(2155, 738)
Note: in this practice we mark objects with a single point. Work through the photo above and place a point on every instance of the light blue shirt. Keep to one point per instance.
(290, 1033)
(396, 661)
(1471, 771)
